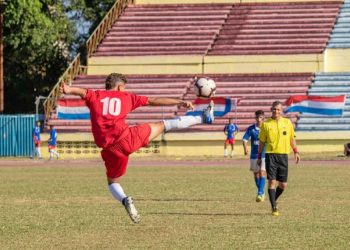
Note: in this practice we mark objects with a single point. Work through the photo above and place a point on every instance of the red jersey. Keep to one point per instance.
(108, 110)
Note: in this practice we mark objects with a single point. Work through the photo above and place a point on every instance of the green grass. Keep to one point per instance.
(69, 207)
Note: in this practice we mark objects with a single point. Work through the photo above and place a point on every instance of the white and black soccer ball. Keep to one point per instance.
(204, 87)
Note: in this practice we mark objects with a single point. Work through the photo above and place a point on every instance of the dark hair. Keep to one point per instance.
(259, 113)
(114, 79)
(276, 103)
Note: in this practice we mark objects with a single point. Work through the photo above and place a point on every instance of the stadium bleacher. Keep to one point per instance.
(328, 84)
(340, 36)
(225, 29)
(255, 91)
(164, 30)
(276, 28)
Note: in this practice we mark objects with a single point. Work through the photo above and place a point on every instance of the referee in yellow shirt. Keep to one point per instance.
(277, 133)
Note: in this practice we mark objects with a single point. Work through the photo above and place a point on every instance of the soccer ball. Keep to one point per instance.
(204, 87)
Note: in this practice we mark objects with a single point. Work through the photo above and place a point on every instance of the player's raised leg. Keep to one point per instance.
(182, 122)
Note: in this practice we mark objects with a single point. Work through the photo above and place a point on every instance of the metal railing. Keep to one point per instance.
(75, 68)
(105, 25)
(71, 72)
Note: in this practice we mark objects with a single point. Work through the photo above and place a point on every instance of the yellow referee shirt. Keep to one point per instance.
(277, 135)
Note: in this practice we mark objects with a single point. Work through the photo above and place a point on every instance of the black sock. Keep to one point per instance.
(272, 196)
(279, 191)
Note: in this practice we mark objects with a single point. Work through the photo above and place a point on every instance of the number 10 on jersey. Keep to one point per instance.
(111, 106)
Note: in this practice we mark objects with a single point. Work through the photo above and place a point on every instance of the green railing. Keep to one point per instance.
(67, 77)
(105, 25)
(75, 68)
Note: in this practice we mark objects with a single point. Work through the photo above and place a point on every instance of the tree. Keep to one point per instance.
(40, 38)
(37, 36)
(86, 15)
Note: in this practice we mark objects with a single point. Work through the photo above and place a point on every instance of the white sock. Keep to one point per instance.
(53, 152)
(182, 122)
(232, 153)
(225, 152)
(117, 191)
(38, 151)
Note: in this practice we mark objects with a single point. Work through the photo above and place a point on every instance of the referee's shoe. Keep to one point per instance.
(275, 212)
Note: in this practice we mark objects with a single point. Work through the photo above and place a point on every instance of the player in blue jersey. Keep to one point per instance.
(259, 172)
(53, 142)
(37, 142)
(230, 131)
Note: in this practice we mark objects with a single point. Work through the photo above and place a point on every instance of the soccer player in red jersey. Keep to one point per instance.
(108, 110)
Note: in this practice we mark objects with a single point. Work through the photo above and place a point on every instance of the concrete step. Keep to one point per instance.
(295, 22)
(261, 84)
(174, 42)
(321, 127)
(333, 76)
(324, 120)
(190, 29)
(327, 93)
(343, 88)
(148, 53)
(340, 35)
(267, 52)
(341, 30)
(283, 16)
(281, 30)
(179, 17)
(182, 23)
(165, 37)
(266, 46)
(330, 84)
(272, 36)
(182, 12)
(342, 45)
(336, 40)
(154, 48)
(281, 40)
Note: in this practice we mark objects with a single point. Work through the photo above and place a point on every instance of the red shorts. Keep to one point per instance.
(51, 147)
(230, 141)
(116, 156)
(37, 144)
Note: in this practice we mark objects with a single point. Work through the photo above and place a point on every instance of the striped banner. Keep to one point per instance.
(222, 106)
(321, 105)
(72, 109)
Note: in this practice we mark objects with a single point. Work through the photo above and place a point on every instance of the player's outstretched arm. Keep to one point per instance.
(161, 101)
(66, 89)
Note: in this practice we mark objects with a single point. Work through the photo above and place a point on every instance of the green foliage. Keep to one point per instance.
(36, 53)
(40, 38)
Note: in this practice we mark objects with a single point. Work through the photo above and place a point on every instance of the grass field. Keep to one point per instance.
(67, 206)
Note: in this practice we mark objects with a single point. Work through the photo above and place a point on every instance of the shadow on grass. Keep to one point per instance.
(183, 199)
(206, 214)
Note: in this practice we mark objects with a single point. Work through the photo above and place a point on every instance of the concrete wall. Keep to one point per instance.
(197, 64)
(218, 1)
(184, 1)
(183, 64)
(263, 63)
(75, 145)
(337, 60)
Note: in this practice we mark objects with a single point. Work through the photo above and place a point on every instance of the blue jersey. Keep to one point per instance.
(36, 134)
(53, 137)
(230, 129)
(252, 132)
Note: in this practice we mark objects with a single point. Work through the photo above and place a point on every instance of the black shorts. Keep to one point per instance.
(277, 167)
